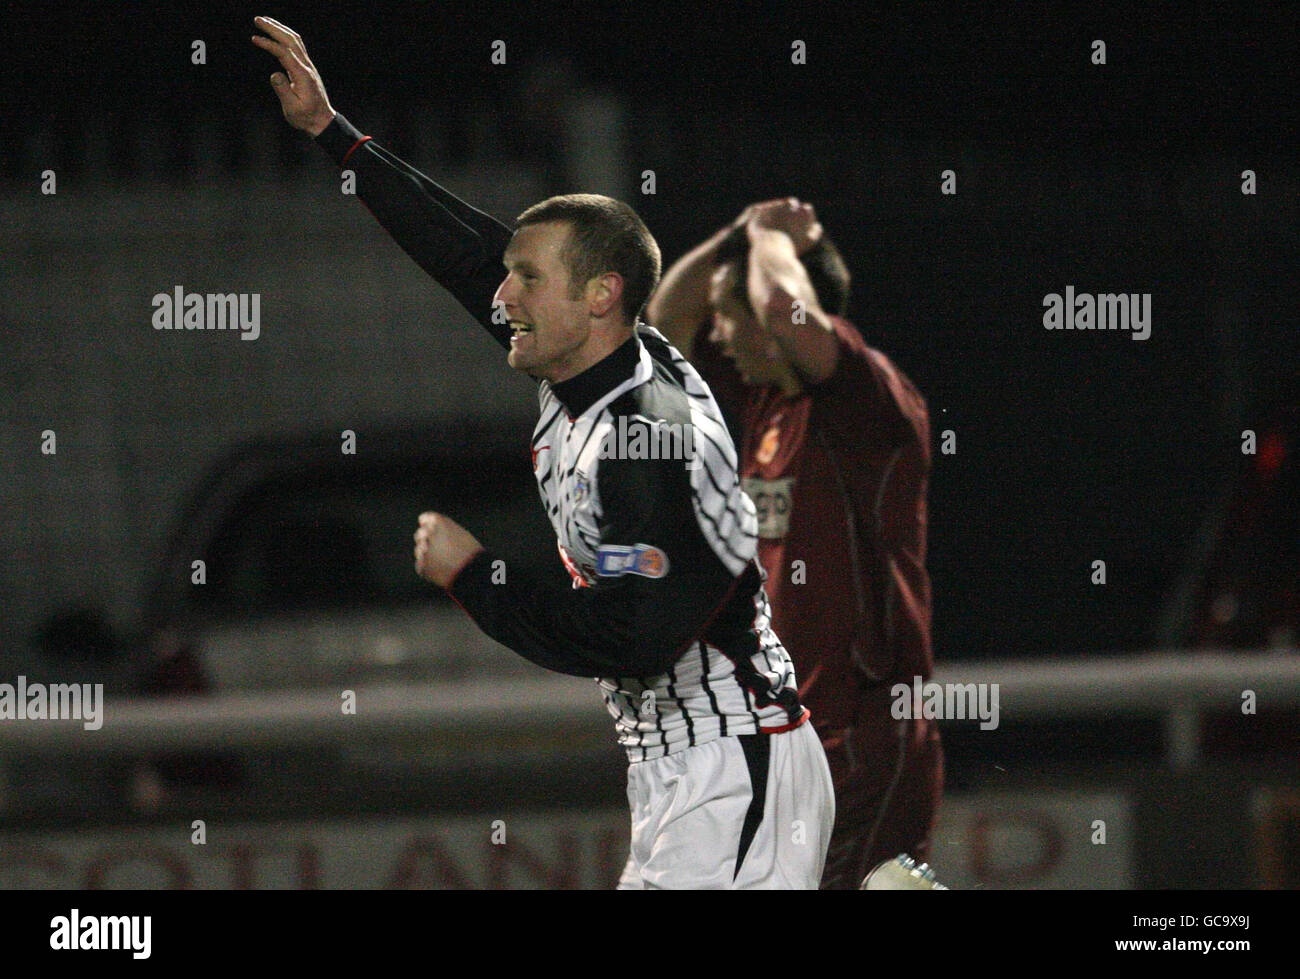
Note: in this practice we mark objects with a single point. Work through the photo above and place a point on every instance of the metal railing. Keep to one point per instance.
(1177, 687)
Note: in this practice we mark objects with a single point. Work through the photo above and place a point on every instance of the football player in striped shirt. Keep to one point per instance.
(728, 783)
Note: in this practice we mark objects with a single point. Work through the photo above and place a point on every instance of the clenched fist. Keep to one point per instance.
(442, 548)
(302, 93)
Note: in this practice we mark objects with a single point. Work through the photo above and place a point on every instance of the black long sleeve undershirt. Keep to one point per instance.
(459, 245)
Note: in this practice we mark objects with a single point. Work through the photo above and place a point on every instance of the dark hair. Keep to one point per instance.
(605, 235)
(825, 267)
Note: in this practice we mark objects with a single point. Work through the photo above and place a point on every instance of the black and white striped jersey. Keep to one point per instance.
(639, 478)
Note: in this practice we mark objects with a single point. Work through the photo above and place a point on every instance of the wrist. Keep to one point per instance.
(321, 123)
(471, 555)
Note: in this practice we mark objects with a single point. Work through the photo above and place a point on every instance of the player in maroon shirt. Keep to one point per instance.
(835, 444)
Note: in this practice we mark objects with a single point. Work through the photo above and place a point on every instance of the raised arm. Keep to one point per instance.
(780, 292)
(681, 302)
(458, 245)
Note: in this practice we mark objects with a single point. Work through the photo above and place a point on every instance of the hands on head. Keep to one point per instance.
(789, 215)
(299, 87)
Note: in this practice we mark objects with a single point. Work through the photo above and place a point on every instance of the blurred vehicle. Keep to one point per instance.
(307, 576)
(290, 568)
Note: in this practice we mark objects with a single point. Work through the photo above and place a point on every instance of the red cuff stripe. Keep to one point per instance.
(363, 139)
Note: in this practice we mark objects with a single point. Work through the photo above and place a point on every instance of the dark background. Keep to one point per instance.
(1072, 447)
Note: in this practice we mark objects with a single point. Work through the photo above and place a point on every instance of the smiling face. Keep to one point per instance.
(757, 356)
(551, 327)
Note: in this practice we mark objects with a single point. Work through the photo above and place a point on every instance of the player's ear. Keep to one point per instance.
(604, 292)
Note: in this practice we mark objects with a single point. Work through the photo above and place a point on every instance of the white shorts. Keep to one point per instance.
(753, 812)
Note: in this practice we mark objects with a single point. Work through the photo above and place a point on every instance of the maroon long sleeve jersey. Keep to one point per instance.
(839, 474)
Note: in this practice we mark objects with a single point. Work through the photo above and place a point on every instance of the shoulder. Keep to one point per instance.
(667, 359)
(665, 396)
(854, 348)
(866, 379)
(855, 351)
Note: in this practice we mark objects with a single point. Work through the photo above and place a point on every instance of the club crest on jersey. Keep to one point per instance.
(767, 448)
(616, 560)
(581, 487)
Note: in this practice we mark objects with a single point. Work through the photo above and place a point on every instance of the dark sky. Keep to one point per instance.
(1176, 72)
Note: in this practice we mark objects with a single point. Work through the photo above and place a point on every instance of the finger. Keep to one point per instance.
(265, 43)
(290, 102)
(289, 38)
(278, 48)
(276, 29)
(428, 518)
(299, 70)
(278, 51)
(284, 42)
(295, 67)
(282, 87)
(290, 61)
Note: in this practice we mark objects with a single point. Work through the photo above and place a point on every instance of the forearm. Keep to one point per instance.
(458, 245)
(786, 305)
(635, 628)
(681, 302)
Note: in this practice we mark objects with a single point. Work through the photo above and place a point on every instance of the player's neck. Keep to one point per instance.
(600, 344)
(582, 390)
